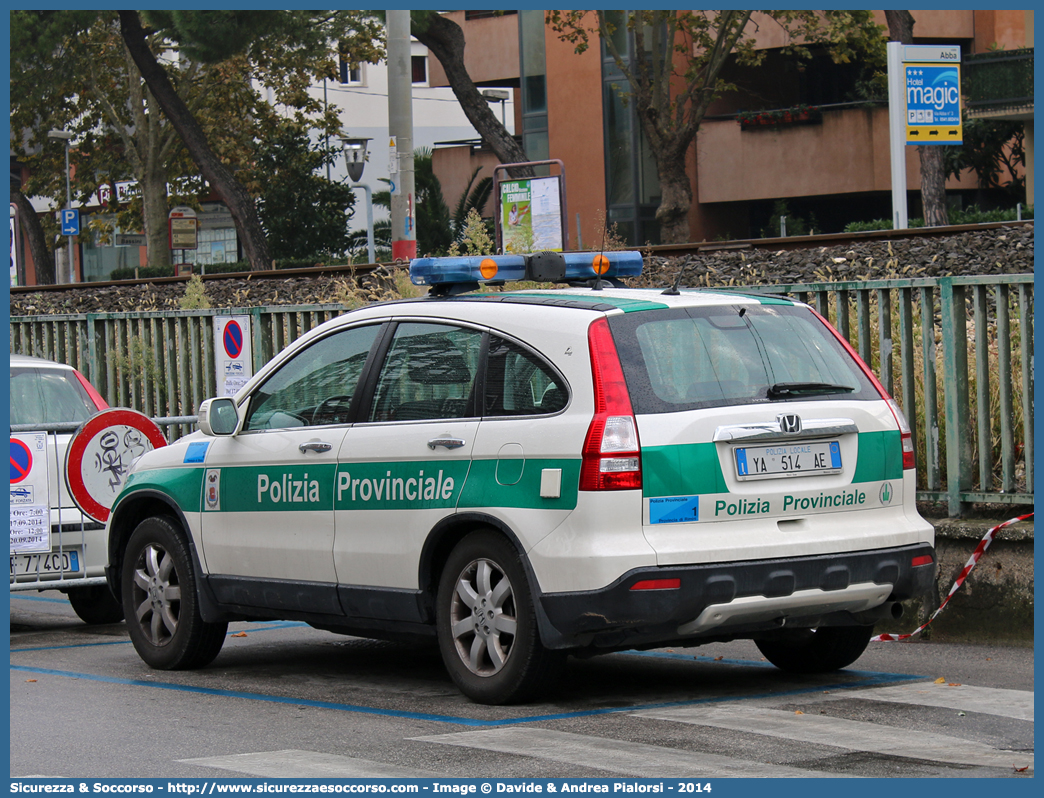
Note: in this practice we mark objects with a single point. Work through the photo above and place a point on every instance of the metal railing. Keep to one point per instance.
(956, 352)
(998, 80)
(160, 363)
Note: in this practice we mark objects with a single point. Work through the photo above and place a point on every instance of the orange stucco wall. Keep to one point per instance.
(454, 166)
(574, 110)
(490, 50)
(847, 154)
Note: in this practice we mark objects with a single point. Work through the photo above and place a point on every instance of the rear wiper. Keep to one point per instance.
(783, 389)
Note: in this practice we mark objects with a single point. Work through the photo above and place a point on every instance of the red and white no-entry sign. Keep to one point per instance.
(101, 452)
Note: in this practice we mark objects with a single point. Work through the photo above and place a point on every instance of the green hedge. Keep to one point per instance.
(970, 216)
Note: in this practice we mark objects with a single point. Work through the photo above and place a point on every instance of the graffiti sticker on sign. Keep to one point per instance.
(100, 454)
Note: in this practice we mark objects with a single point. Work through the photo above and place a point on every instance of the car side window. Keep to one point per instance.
(315, 387)
(429, 373)
(519, 383)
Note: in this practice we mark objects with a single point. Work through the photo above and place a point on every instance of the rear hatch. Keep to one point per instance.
(762, 436)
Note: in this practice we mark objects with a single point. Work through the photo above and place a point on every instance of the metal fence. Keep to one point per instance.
(956, 352)
(961, 369)
(998, 80)
(158, 362)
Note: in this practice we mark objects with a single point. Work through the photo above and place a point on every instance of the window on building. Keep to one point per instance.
(420, 69)
(350, 75)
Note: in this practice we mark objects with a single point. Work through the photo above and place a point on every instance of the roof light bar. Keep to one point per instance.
(540, 266)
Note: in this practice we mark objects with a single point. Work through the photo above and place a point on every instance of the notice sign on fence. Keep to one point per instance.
(30, 500)
(232, 358)
(182, 228)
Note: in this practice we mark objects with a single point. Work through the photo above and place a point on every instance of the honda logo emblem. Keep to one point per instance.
(789, 423)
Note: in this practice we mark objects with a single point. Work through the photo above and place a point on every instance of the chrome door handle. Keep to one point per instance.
(449, 443)
(315, 446)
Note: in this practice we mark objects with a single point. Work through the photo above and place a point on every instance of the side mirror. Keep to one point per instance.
(218, 416)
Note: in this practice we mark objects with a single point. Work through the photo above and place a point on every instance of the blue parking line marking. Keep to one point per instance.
(19, 596)
(268, 627)
(872, 679)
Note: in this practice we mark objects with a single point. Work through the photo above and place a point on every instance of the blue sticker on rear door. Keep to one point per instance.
(674, 509)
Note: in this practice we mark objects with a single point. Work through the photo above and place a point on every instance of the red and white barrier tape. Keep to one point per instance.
(976, 555)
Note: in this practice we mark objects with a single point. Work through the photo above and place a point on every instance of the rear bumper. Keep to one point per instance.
(738, 599)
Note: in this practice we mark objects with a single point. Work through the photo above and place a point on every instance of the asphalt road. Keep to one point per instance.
(285, 700)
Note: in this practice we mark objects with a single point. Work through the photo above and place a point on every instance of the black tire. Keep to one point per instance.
(486, 624)
(821, 650)
(161, 601)
(95, 604)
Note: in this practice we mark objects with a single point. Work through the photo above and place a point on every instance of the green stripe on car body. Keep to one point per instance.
(626, 304)
(880, 456)
(483, 489)
(763, 299)
(183, 485)
(694, 468)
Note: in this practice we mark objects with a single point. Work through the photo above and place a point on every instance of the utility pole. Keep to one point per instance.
(400, 129)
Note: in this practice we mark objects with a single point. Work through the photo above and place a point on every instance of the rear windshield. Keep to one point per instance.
(688, 358)
(48, 396)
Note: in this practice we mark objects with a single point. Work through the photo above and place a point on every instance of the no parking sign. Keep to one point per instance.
(30, 500)
(232, 359)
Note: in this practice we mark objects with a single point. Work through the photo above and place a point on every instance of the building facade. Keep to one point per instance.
(826, 170)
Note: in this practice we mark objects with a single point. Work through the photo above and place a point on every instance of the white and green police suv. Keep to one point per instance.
(522, 475)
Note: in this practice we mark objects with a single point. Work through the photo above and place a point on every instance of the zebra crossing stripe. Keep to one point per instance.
(843, 733)
(616, 756)
(293, 764)
(1017, 704)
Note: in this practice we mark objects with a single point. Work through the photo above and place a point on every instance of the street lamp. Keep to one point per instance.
(355, 157)
(498, 96)
(66, 136)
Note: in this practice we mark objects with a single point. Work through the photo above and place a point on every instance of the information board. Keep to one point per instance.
(933, 104)
(531, 214)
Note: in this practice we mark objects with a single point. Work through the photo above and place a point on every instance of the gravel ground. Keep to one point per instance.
(1007, 250)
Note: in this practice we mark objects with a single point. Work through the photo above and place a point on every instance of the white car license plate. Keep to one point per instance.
(788, 460)
(49, 563)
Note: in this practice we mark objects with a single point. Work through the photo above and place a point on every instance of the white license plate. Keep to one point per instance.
(51, 563)
(788, 460)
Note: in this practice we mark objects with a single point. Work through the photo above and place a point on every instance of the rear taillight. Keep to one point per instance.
(909, 456)
(611, 455)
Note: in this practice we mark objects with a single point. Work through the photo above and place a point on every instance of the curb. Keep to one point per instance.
(995, 604)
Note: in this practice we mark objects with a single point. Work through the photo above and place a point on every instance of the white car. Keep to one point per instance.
(522, 475)
(45, 395)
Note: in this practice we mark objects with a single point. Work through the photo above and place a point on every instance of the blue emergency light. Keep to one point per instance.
(555, 267)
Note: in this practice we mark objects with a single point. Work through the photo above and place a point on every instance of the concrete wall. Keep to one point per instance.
(848, 153)
(995, 603)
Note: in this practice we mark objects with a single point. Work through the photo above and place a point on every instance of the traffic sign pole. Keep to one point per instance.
(897, 134)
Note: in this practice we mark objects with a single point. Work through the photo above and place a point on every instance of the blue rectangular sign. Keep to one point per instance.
(71, 222)
(933, 104)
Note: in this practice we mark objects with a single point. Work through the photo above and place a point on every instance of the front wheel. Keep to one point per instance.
(827, 648)
(161, 602)
(486, 624)
(95, 604)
